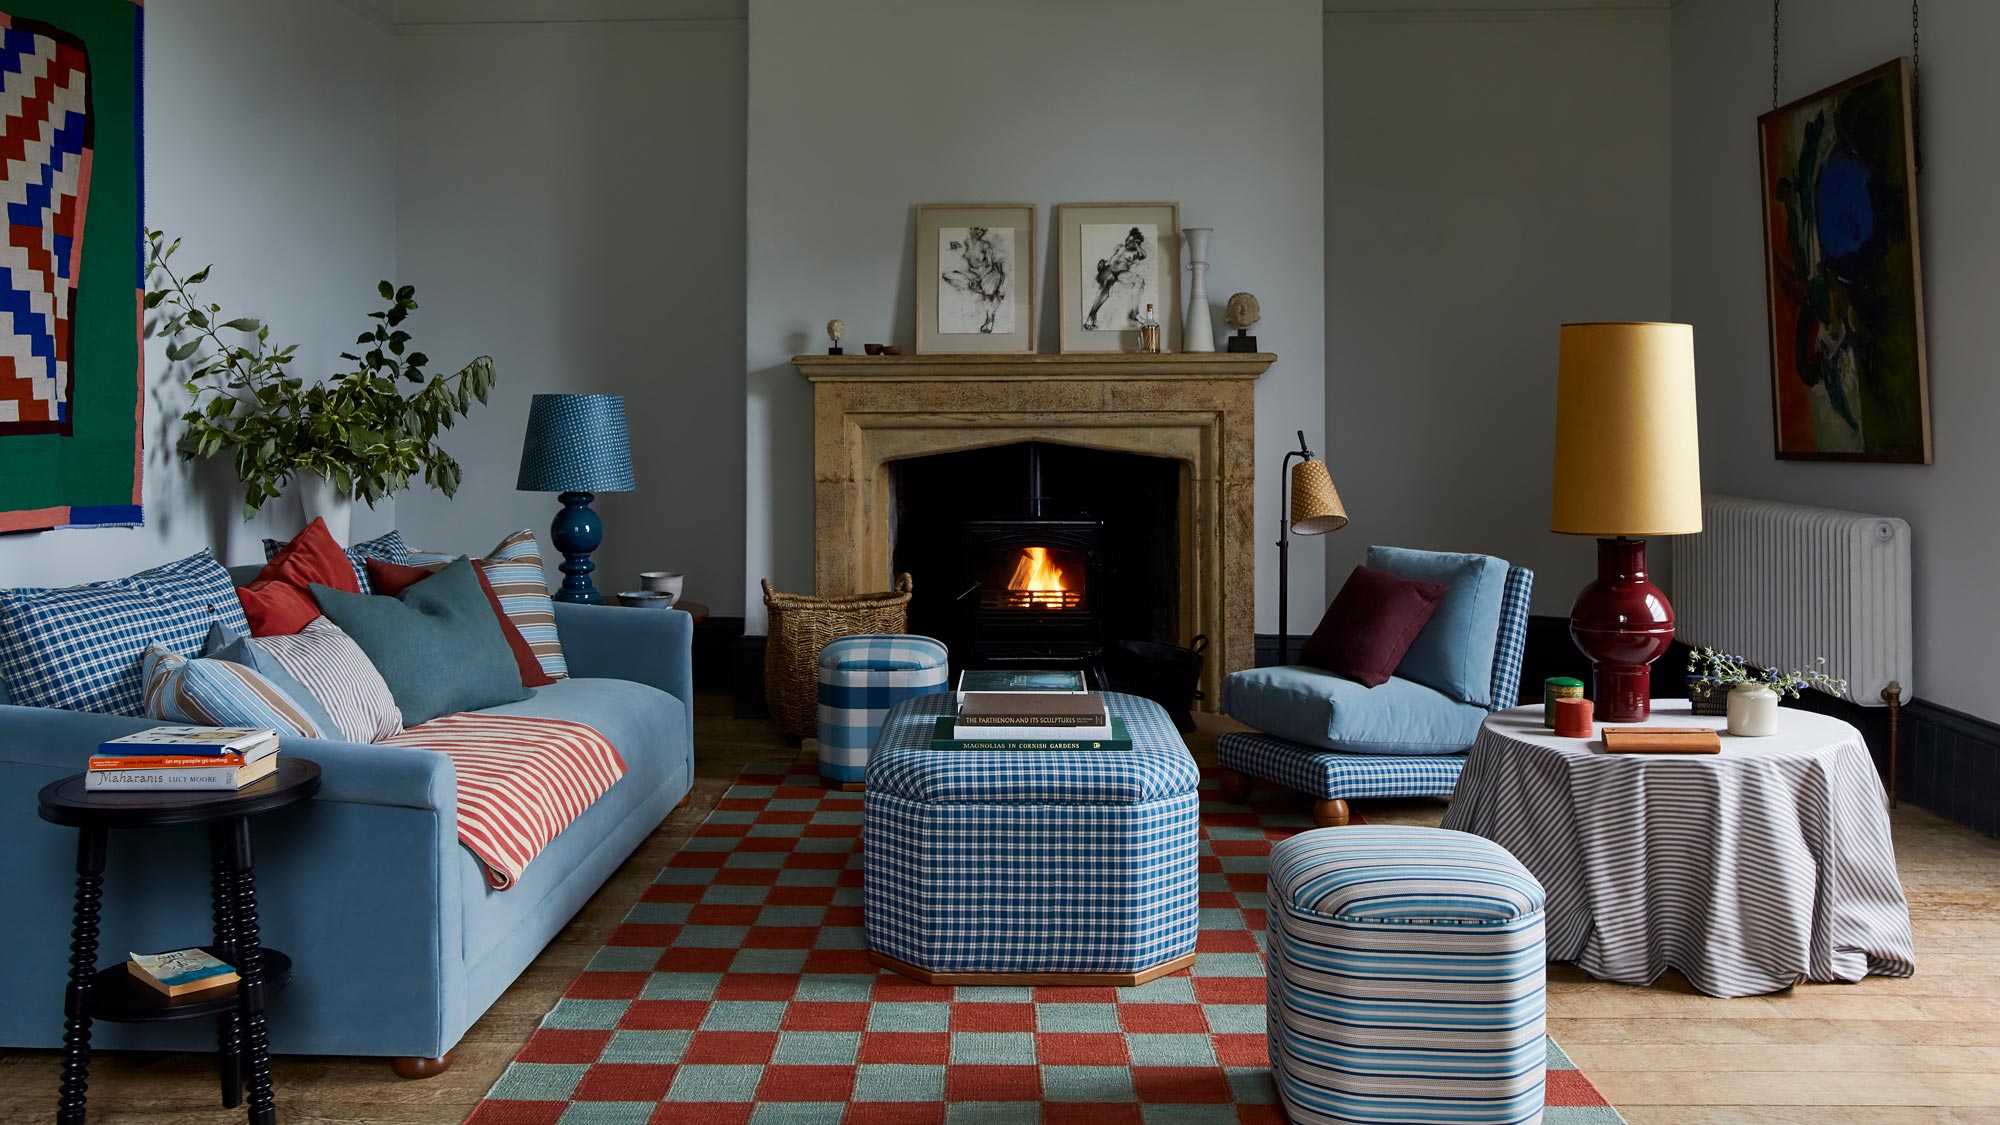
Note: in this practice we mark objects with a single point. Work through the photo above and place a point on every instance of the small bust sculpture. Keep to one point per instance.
(835, 329)
(1243, 311)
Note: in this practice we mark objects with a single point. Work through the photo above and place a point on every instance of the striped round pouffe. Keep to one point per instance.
(860, 679)
(1405, 978)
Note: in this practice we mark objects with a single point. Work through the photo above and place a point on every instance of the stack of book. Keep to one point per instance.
(1029, 711)
(185, 758)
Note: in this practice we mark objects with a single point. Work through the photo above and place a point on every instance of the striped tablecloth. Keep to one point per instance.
(1745, 870)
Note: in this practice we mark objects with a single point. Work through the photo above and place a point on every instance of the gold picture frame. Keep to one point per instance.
(1099, 298)
(975, 288)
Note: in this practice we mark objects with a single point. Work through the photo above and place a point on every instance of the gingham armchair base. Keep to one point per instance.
(1035, 867)
(1331, 777)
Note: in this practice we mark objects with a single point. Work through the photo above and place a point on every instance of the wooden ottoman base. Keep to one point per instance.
(1098, 980)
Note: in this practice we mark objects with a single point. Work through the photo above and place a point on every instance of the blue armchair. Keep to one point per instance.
(399, 941)
(1337, 740)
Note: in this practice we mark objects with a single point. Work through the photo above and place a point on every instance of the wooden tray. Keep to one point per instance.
(1662, 740)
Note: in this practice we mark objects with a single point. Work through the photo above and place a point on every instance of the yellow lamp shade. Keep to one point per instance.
(1316, 507)
(1628, 459)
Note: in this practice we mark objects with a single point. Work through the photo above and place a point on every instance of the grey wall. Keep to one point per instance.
(861, 110)
(1721, 82)
(268, 130)
(570, 201)
(1488, 177)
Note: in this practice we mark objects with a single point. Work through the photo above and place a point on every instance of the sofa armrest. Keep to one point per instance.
(647, 646)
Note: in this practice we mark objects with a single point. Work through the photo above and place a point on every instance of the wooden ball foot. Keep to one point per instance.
(1235, 786)
(413, 1067)
(1330, 814)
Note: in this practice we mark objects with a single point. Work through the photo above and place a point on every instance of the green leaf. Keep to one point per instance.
(418, 359)
(244, 324)
(199, 276)
(198, 318)
(406, 292)
(181, 351)
(154, 298)
(387, 290)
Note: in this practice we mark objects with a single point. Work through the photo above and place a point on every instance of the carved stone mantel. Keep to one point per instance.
(1197, 409)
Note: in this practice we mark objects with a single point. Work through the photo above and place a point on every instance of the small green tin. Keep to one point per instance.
(1554, 688)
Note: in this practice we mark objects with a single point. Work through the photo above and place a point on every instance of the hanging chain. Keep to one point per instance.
(1916, 85)
(1774, 53)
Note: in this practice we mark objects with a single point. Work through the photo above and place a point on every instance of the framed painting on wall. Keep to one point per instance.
(1844, 274)
(1117, 258)
(975, 277)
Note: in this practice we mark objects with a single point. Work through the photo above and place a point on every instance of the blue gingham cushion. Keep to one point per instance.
(1158, 765)
(883, 652)
(1513, 637)
(389, 547)
(1335, 776)
(79, 647)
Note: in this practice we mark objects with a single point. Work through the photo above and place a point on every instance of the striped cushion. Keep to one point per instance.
(220, 693)
(337, 673)
(515, 570)
(388, 547)
(1405, 979)
(79, 647)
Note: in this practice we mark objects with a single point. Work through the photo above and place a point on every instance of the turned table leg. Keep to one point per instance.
(222, 901)
(90, 847)
(250, 968)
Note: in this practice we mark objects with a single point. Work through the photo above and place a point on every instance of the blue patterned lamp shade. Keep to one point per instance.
(576, 443)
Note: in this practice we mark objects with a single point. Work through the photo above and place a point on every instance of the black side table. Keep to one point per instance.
(114, 993)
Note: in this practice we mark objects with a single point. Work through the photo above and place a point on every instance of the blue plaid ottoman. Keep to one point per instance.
(1335, 777)
(1405, 979)
(1055, 867)
(860, 679)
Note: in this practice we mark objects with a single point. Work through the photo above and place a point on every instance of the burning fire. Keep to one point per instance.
(1038, 581)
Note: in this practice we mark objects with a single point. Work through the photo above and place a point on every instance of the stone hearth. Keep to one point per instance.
(1197, 410)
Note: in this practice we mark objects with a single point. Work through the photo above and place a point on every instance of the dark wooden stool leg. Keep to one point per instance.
(250, 967)
(1235, 785)
(90, 846)
(222, 901)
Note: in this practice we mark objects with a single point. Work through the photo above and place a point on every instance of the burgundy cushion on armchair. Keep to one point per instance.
(1370, 625)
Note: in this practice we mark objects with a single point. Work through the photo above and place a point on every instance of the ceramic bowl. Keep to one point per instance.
(646, 599)
(662, 581)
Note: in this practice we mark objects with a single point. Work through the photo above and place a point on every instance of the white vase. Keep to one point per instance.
(321, 500)
(1198, 333)
(1753, 710)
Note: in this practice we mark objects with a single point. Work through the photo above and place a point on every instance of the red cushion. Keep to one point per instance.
(277, 602)
(393, 578)
(1370, 625)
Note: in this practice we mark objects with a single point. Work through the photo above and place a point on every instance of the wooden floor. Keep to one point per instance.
(1888, 1052)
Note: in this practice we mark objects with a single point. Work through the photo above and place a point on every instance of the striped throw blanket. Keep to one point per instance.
(521, 780)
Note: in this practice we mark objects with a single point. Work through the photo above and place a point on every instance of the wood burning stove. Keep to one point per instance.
(1029, 584)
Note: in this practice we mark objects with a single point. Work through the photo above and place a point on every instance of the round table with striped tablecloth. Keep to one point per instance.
(1747, 870)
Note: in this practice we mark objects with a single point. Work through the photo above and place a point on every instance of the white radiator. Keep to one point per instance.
(1780, 584)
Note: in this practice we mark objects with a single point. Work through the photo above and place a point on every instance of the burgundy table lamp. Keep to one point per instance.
(1627, 465)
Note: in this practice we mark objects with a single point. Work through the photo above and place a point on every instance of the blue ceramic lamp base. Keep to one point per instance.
(577, 532)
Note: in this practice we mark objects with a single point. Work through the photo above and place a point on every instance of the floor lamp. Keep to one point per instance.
(1311, 507)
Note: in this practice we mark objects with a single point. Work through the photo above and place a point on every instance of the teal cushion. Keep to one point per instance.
(1454, 652)
(1318, 708)
(437, 644)
(225, 643)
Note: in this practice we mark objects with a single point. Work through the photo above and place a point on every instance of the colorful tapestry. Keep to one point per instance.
(72, 268)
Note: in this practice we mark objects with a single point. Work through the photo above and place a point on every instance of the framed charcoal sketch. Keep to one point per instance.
(975, 277)
(1845, 278)
(1117, 258)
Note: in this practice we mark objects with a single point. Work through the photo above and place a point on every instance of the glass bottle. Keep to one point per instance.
(1149, 332)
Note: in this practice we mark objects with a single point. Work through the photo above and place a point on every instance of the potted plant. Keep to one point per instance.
(1713, 674)
(363, 434)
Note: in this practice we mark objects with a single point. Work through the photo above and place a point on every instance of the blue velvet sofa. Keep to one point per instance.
(399, 943)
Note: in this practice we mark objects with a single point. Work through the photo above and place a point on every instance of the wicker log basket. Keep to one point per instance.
(800, 626)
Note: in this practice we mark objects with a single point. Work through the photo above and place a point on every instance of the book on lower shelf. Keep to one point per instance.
(948, 735)
(181, 972)
(143, 777)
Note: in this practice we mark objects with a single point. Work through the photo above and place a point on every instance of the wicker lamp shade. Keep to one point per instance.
(1316, 507)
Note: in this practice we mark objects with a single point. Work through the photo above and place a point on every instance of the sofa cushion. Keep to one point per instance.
(336, 672)
(277, 602)
(1372, 622)
(389, 546)
(237, 649)
(221, 693)
(78, 647)
(514, 567)
(1321, 709)
(393, 578)
(437, 643)
(1454, 652)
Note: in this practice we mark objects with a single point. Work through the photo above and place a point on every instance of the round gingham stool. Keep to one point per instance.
(860, 679)
(1405, 979)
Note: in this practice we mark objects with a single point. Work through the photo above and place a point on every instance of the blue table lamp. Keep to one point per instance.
(576, 446)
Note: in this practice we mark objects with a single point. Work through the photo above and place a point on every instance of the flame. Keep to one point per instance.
(1034, 572)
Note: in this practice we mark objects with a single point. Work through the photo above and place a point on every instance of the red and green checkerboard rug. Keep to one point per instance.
(738, 990)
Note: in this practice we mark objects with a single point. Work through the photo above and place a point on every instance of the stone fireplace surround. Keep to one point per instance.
(1196, 409)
